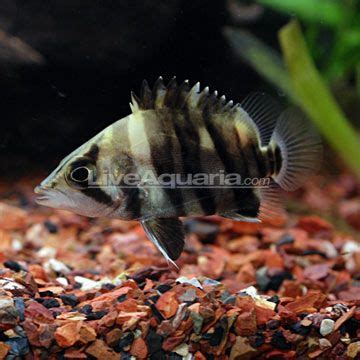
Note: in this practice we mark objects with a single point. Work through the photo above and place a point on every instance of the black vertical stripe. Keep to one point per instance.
(278, 160)
(133, 202)
(256, 160)
(244, 197)
(242, 167)
(189, 139)
(96, 193)
(93, 153)
(270, 160)
(162, 148)
(242, 163)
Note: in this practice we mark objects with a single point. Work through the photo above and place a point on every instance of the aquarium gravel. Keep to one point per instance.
(77, 288)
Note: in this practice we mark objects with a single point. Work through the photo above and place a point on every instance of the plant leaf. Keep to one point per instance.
(327, 12)
(314, 97)
(266, 61)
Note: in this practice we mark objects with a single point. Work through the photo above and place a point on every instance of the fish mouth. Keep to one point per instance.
(42, 195)
(41, 199)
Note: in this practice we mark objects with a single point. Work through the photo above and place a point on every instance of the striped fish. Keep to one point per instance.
(178, 129)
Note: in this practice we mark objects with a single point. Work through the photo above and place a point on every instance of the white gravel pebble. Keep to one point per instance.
(324, 343)
(184, 280)
(57, 266)
(87, 284)
(47, 252)
(182, 350)
(63, 281)
(327, 327)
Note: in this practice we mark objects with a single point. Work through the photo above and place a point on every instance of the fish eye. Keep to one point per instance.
(80, 173)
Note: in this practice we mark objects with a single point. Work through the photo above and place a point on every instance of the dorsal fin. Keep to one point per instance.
(259, 112)
(174, 96)
(264, 112)
(146, 95)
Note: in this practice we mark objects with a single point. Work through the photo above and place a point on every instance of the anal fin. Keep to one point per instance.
(168, 235)
(272, 201)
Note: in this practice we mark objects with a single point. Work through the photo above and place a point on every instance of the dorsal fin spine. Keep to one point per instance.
(158, 93)
(174, 96)
(193, 96)
(135, 102)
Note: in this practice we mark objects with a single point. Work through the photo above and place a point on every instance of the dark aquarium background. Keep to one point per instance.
(67, 67)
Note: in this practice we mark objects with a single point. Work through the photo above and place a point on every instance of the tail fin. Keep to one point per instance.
(300, 149)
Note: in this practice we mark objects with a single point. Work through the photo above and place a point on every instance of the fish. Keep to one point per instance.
(185, 135)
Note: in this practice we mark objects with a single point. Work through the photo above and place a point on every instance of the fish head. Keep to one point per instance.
(75, 184)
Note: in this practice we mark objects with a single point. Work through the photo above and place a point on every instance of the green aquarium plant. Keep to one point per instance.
(314, 97)
(336, 20)
(294, 71)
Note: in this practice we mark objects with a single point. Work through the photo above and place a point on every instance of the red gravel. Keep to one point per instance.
(76, 288)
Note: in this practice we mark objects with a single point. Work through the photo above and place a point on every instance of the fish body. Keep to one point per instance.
(184, 137)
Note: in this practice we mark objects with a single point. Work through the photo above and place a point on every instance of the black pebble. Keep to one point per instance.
(108, 286)
(154, 342)
(122, 298)
(303, 315)
(273, 324)
(275, 299)
(217, 336)
(259, 340)
(154, 298)
(163, 288)
(51, 227)
(156, 313)
(96, 315)
(299, 329)
(159, 355)
(174, 356)
(86, 309)
(3, 337)
(278, 340)
(46, 293)
(50, 303)
(278, 279)
(69, 299)
(125, 340)
(56, 314)
(265, 282)
(314, 252)
(350, 326)
(13, 265)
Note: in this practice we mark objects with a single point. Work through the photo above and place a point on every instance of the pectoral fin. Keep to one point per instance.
(167, 234)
